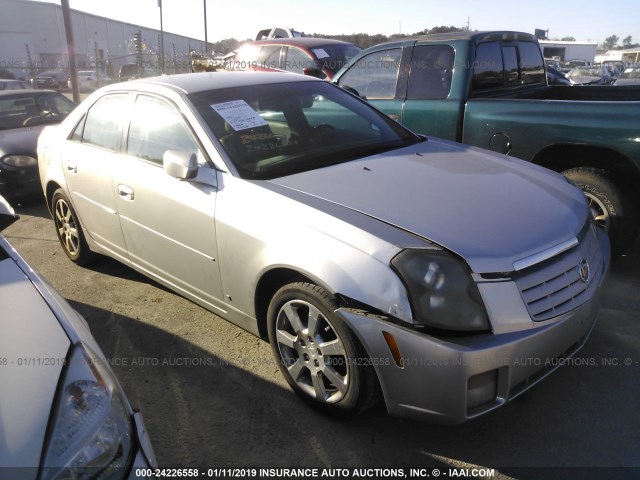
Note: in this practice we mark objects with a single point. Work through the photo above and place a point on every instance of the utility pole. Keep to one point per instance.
(32, 67)
(66, 15)
(161, 39)
(96, 55)
(206, 41)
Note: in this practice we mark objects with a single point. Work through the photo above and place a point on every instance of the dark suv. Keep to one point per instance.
(55, 79)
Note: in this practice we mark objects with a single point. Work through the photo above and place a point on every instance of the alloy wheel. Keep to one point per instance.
(313, 353)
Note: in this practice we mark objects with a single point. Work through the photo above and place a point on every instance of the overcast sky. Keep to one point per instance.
(583, 19)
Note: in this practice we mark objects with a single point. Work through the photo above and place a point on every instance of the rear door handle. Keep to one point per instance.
(126, 192)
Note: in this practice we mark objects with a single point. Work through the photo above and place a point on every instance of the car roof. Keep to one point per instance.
(474, 37)
(307, 42)
(203, 81)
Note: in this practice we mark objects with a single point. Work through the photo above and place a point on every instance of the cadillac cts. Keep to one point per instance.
(377, 262)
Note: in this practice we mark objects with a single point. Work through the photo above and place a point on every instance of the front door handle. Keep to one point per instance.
(125, 192)
(72, 167)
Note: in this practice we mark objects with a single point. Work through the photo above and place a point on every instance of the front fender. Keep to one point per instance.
(344, 251)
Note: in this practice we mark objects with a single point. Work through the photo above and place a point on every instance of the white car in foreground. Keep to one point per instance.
(62, 411)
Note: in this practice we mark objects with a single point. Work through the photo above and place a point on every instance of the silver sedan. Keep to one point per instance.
(445, 279)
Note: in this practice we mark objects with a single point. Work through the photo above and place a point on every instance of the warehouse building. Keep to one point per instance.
(32, 40)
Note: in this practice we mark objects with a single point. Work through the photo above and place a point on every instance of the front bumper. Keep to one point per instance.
(451, 380)
(19, 182)
(442, 380)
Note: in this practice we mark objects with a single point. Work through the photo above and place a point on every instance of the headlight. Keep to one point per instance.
(91, 435)
(441, 290)
(20, 161)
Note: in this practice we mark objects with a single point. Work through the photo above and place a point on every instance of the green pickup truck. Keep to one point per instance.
(490, 90)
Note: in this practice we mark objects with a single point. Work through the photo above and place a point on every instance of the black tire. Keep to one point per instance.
(611, 209)
(340, 383)
(68, 229)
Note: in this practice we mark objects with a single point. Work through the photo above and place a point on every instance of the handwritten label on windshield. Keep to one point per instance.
(239, 115)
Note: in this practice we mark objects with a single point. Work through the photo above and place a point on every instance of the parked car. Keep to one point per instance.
(567, 66)
(88, 80)
(278, 32)
(502, 102)
(556, 77)
(630, 76)
(64, 414)
(9, 84)
(54, 80)
(318, 57)
(23, 115)
(589, 76)
(372, 258)
(615, 68)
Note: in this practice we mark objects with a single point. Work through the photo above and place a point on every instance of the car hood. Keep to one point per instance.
(20, 140)
(490, 209)
(33, 347)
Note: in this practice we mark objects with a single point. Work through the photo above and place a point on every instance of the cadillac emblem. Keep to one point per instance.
(583, 270)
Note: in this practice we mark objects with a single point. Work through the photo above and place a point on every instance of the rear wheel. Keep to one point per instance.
(610, 208)
(69, 231)
(317, 354)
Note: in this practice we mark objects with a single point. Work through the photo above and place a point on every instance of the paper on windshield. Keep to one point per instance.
(239, 115)
(321, 53)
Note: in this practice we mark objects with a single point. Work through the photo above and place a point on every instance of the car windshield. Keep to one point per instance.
(274, 130)
(333, 57)
(21, 110)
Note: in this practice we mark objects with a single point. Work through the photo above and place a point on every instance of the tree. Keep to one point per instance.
(568, 39)
(443, 29)
(610, 42)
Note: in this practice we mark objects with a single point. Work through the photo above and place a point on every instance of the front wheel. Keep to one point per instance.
(610, 208)
(317, 354)
(69, 231)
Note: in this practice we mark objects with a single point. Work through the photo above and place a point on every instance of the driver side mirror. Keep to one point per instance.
(180, 164)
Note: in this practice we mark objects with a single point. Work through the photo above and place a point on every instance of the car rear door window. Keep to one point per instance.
(102, 127)
(488, 71)
(270, 56)
(531, 63)
(155, 128)
(374, 75)
(510, 58)
(297, 60)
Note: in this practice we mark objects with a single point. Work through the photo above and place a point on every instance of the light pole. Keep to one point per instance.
(161, 39)
(66, 15)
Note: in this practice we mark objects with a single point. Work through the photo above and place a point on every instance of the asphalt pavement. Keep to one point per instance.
(211, 394)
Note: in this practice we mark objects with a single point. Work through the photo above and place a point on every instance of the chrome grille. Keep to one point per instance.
(554, 286)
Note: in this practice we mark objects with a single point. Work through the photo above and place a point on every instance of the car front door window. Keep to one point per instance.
(374, 76)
